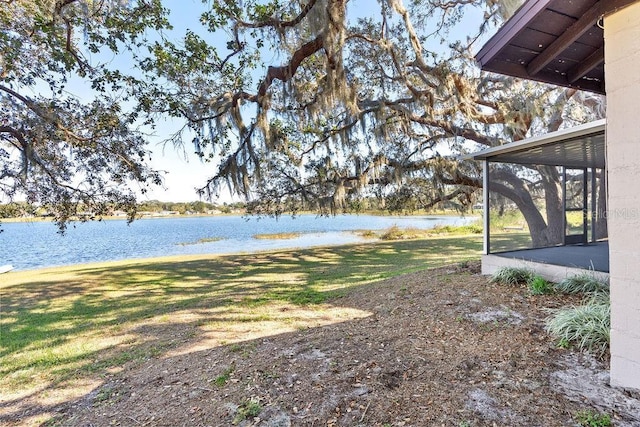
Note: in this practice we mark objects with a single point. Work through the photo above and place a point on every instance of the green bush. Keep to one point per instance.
(512, 276)
(587, 326)
(582, 283)
(540, 286)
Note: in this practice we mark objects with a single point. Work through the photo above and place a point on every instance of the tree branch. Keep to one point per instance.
(276, 23)
(286, 72)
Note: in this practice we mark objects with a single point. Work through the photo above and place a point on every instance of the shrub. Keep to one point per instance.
(512, 276)
(473, 228)
(582, 283)
(458, 229)
(587, 326)
(392, 233)
(590, 418)
(367, 234)
(540, 286)
(397, 233)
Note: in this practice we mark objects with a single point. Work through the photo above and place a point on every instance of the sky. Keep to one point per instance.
(183, 169)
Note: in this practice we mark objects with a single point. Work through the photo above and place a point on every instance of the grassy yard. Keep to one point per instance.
(65, 326)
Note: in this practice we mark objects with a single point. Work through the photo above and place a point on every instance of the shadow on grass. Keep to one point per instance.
(510, 241)
(78, 322)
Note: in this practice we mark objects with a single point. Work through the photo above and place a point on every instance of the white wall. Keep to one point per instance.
(554, 273)
(622, 69)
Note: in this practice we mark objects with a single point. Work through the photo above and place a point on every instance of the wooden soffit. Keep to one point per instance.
(553, 41)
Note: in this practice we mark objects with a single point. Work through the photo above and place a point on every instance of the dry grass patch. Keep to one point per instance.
(277, 236)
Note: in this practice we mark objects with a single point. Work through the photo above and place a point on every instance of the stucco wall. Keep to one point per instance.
(622, 70)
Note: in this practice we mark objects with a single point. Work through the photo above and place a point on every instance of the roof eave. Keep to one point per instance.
(584, 130)
(515, 24)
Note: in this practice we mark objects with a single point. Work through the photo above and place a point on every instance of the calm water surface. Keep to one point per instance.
(36, 244)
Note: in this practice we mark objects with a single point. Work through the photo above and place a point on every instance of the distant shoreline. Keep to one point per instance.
(196, 215)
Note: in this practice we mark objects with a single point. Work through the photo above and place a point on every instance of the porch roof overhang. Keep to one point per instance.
(578, 147)
(553, 41)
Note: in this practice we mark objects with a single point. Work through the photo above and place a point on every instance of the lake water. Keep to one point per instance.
(29, 245)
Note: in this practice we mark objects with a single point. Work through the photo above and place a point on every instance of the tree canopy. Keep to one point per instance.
(61, 149)
(295, 103)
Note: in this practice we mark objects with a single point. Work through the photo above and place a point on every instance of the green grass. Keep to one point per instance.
(508, 227)
(510, 218)
(222, 379)
(575, 220)
(62, 325)
(475, 228)
(249, 409)
(510, 241)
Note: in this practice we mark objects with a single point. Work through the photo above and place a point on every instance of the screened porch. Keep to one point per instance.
(557, 224)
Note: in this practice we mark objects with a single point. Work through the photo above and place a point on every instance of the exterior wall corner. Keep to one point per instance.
(622, 60)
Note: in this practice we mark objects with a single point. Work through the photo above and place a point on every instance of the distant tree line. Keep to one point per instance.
(25, 209)
(18, 209)
(198, 207)
(406, 202)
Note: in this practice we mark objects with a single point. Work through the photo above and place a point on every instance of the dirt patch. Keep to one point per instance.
(582, 379)
(441, 347)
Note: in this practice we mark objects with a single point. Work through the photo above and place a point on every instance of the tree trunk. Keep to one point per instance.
(601, 206)
(541, 235)
(522, 198)
(553, 205)
(517, 190)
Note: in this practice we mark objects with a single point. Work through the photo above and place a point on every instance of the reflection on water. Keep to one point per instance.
(36, 244)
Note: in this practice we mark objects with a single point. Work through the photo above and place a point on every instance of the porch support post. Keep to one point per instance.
(585, 206)
(594, 205)
(564, 205)
(486, 249)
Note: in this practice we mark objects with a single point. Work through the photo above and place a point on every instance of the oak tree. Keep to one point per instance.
(316, 104)
(67, 142)
(297, 104)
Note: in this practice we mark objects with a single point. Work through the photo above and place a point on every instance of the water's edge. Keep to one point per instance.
(30, 245)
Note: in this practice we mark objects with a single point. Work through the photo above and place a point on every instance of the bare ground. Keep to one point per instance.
(441, 347)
